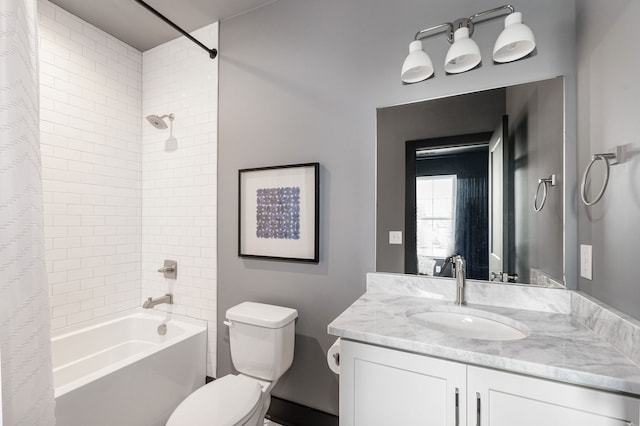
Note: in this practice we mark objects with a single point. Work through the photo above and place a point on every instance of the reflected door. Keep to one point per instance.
(446, 204)
(497, 260)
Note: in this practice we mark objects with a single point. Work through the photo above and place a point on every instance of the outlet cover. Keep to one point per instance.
(395, 237)
(586, 264)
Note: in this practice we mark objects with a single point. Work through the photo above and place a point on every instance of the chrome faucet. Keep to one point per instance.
(461, 277)
(151, 302)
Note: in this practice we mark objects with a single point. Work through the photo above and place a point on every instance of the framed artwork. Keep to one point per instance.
(278, 212)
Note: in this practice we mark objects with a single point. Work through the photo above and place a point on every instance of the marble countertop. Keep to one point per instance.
(557, 348)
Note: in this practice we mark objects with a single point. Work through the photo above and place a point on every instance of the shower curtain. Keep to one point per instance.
(25, 346)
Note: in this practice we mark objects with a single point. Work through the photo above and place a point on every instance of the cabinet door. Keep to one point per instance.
(503, 399)
(385, 387)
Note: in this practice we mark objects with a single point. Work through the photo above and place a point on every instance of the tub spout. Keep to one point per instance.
(151, 302)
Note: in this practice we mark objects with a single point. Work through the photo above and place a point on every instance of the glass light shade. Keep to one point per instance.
(418, 65)
(464, 53)
(514, 42)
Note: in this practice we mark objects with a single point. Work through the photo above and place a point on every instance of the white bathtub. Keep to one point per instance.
(119, 371)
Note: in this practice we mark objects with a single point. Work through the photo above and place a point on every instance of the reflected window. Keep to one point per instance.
(435, 220)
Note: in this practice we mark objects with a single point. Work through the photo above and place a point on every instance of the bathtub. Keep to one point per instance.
(119, 371)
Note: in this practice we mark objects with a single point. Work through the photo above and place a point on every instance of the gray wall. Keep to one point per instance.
(608, 115)
(536, 129)
(300, 80)
(458, 115)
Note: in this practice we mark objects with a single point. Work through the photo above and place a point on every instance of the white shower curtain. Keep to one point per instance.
(25, 347)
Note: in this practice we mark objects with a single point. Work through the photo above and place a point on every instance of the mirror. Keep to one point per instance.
(480, 175)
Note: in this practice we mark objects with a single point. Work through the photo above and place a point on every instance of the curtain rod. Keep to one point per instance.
(212, 52)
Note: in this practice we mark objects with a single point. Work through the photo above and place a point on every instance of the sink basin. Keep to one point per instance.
(467, 322)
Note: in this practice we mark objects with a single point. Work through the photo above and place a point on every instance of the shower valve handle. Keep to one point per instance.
(170, 269)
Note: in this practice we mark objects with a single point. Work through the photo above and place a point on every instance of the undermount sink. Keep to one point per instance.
(467, 322)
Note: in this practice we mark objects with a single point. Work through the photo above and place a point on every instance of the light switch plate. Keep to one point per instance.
(586, 264)
(395, 237)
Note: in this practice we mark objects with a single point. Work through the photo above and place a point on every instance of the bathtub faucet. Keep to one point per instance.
(151, 302)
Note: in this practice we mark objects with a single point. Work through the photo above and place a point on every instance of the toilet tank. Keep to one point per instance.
(261, 338)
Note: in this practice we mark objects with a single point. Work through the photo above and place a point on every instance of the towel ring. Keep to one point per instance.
(551, 180)
(583, 187)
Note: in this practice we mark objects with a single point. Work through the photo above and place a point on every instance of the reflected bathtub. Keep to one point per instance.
(119, 370)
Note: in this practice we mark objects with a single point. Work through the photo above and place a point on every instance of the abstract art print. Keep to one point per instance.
(278, 212)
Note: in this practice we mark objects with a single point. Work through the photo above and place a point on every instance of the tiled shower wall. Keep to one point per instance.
(90, 114)
(117, 200)
(179, 179)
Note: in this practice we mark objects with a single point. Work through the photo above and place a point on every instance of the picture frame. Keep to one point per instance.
(278, 213)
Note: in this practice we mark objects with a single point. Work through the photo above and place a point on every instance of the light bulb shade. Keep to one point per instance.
(514, 42)
(418, 65)
(464, 53)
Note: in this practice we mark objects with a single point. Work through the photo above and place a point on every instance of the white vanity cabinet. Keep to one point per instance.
(497, 398)
(387, 387)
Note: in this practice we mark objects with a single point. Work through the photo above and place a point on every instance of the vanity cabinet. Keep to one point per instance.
(497, 398)
(382, 387)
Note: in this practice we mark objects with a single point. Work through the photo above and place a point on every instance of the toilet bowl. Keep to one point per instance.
(261, 339)
(229, 401)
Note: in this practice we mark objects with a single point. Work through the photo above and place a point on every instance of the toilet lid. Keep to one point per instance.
(223, 402)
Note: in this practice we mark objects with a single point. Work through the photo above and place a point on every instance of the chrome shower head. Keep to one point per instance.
(158, 122)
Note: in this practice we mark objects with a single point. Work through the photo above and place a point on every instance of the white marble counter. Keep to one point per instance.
(558, 347)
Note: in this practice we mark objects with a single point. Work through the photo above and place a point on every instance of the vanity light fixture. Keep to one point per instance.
(515, 42)
(464, 53)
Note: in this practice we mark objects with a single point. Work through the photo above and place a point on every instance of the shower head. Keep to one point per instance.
(158, 122)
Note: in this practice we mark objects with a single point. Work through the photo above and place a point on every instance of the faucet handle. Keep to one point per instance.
(504, 277)
(170, 269)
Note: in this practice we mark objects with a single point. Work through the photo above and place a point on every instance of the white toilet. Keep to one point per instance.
(261, 338)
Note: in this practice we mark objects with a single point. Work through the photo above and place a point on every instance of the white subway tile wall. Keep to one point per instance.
(179, 184)
(90, 115)
(118, 200)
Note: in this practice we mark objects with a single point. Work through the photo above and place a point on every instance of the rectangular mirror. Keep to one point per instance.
(480, 175)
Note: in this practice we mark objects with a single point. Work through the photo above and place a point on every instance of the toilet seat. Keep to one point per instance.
(228, 401)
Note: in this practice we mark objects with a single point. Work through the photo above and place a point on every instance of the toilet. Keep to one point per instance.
(261, 338)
